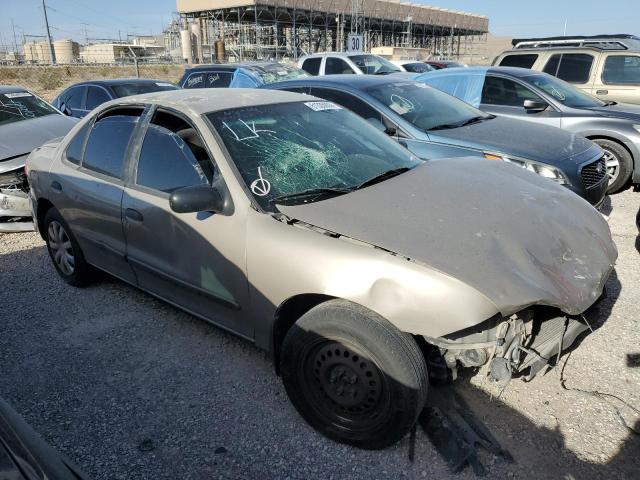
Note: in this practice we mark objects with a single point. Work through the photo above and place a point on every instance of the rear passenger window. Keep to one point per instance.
(521, 61)
(335, 65)
(621, 70)
(76, 146)
(570, 67)
(107, 144)
(312, 65)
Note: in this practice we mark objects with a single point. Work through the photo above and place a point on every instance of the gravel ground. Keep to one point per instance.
(129, 387)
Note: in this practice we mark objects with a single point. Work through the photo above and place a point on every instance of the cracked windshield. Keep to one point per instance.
(18, 106)
(306, 151)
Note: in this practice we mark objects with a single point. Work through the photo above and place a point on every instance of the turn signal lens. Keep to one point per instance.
(490, 156)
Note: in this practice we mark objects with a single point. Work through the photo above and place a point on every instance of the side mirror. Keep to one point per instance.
(64, 109)
(391, 131)
(535, 106)
(198, 198)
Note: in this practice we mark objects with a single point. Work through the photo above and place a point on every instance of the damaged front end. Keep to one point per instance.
(521, 345)
(15, 206)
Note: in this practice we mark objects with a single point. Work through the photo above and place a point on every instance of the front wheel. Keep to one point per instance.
(619, 164)
(353, 376)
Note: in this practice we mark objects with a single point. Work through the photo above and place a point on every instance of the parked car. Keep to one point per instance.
(441, 64)
(80, 98)
(606, 66)
(541, 98)
(412, 66)
(434, 125)
(26, 122)
(297, 225)
(24, 455)
(336, 63)
(238, 75)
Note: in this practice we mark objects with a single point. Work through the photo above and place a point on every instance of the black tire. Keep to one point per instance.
(625, 164)
(353, 376)
(81, 272)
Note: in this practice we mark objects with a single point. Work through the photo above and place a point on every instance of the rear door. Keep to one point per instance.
(88, 188)
(618, 78)
(505, 96)
(194, 260)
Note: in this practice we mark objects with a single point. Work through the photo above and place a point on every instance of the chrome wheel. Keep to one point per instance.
(613, 165)
(61, 248)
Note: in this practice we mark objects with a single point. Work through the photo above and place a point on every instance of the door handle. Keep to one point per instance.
(56, 186)
(602, 92)
(134, 215)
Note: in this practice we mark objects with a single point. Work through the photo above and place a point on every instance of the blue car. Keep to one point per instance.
(238, 75)
(80, 98)
(435, 125)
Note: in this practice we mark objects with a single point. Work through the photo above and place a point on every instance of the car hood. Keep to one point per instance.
(517, 238)
(624, 111)
(519, 138)
(20, 138)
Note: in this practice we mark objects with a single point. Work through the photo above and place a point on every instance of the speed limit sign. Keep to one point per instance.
(354, 43)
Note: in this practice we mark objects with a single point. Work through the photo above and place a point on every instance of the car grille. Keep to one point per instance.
(593, 173)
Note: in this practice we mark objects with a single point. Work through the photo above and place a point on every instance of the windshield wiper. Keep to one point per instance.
(311, 193)
(382, 176)
(469, 121)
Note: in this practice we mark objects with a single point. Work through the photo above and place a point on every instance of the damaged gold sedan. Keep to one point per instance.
(295, 224)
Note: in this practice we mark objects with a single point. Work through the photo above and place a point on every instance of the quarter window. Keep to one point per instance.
(312, 65)
(502, 91)
(521, 61)
(173, 155)
(76, 146)
(334, 65)
(570, 67)
(107, 143)
(621, 70)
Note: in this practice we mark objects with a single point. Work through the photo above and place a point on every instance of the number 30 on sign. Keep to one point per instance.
(354, 43)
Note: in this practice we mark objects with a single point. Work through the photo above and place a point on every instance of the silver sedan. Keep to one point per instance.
(295, 224)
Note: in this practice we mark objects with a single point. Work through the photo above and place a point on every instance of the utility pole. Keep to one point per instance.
(86, 36)
(46, 21)
(15, 43)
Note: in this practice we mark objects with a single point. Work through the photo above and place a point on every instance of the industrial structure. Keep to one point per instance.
(277, 29)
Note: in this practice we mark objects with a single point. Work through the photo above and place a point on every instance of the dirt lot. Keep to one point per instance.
(129, 387)
(49, 81)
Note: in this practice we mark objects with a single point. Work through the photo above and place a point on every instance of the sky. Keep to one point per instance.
(117, 18)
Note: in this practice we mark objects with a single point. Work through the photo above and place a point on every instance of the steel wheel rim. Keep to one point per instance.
(61, 248)
(345, 386)
(612, 164)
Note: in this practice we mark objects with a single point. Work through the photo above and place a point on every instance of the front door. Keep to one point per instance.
(194, 260)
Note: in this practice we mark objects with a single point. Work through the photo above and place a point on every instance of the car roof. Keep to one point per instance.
(118, 81)
(511, 71)
(204, 100)
(11, 89)
(338, 54)
(233, 66)
(359, 82)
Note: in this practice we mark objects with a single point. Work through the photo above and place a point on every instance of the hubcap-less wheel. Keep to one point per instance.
(613, 165)
(61, 249)
(349, 387)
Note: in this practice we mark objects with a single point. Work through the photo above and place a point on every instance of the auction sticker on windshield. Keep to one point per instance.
(18, 95)
(319, 106)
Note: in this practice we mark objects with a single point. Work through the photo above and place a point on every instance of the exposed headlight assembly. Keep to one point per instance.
(542, 169)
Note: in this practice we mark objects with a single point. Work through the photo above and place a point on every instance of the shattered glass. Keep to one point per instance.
(289, 148)
(18, 106)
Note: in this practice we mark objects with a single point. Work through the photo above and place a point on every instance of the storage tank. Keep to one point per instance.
(196, 40)
(66, 51)
(185, 41)
(29, 51)
(43, 55)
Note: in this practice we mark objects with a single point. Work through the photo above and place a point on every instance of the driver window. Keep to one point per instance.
(173, 155)
(502, 91)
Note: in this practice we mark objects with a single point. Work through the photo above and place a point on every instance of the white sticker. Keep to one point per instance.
(18, 95)
(282, 73)
(163, 84)
(260, 186)
(319, 106)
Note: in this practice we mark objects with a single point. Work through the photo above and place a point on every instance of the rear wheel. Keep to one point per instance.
(353, 376)
(619, 164)
(65, 253)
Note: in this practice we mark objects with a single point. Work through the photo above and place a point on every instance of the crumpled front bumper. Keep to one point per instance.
(15, 211)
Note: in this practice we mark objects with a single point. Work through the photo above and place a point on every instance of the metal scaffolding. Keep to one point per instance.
(278, 29)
